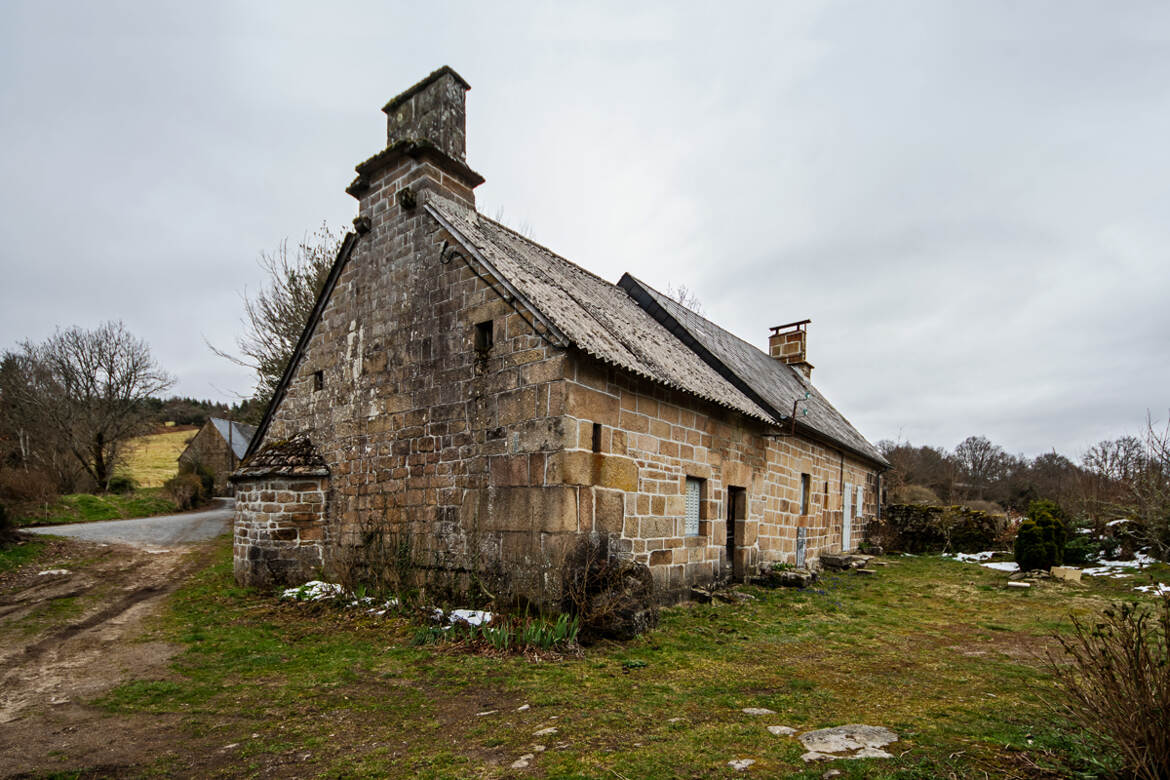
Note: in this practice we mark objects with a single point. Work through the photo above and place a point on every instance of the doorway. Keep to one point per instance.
(736, 515)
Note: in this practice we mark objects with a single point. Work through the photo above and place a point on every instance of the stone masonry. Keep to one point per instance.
(430, 402)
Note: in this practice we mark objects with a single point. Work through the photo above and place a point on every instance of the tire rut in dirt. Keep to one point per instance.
(109, 613)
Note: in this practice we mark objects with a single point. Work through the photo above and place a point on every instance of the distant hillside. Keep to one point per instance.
(152, 460)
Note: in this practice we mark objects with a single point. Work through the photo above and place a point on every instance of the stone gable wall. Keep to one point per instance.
(209, 449)
(425, 438)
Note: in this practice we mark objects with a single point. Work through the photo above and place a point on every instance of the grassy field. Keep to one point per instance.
(152, 460)
(937, 650)
(87, 508)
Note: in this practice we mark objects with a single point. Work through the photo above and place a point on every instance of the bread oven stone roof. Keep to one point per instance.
(295, 457)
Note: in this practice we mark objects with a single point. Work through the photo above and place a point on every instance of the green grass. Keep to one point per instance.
(152, 460)
(20, 554)
(88, 508)
(939, 651)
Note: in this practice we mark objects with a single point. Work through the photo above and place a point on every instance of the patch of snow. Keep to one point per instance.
(522, 762)
(781, 731)
(545, 732)
(314, 590)
(1158, 589)
(1114, 568)
(523, 707)
(1112, 523)
(969, 557)
(1002, 565)
(53, 572)
(740, 764)
(472, 617)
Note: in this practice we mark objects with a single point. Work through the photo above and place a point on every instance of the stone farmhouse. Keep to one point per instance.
(490, 404)
(218, 446)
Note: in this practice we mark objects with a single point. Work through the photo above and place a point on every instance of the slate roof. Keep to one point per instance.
(238, 434)
(776, 384)
(295, 457)
(636, 328)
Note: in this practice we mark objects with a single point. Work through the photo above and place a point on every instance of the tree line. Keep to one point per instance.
(1123, 479)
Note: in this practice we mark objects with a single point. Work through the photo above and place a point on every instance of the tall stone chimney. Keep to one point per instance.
(426, 126)
(789, 344)
(432, 111)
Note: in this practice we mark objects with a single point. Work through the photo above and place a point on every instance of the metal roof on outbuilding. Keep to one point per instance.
(237, 433)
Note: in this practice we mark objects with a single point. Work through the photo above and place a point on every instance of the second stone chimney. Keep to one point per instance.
(789, 344)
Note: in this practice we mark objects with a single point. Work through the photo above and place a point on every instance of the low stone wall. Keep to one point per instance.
(280, 530)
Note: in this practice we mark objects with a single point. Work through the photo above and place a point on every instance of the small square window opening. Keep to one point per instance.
(484, 336)
(318, 380)
(805, 489)
(597, 437)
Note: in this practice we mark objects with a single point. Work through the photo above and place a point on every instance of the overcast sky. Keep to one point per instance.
(970, 200)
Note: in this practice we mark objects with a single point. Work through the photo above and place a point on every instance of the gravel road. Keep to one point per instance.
(158, 531)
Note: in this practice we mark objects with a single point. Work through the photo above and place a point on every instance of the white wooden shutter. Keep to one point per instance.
(693, 490)
(860, 501)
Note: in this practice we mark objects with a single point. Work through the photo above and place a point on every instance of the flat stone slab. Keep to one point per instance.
(758, 711)
(1020, 585)
(781, 731)
(741, 764)
(853, 740)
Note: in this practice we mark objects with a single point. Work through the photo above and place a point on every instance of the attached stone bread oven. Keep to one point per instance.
(281, 509)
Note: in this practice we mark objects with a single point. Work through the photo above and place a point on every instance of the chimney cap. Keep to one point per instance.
(798, 325)
(446, 70)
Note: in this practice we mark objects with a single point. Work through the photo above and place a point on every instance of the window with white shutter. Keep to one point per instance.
(694, 496)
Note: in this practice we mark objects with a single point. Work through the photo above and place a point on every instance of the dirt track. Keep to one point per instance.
(65, 638)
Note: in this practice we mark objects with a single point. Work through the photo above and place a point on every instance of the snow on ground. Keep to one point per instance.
(1158, 589)
(1119, 569)
(980, 557)
(314, 590)
(1112, 523)
(472, 617)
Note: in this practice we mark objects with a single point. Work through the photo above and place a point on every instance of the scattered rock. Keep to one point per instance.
(548, 732)
(874, 549)
(673, 720)
(758, 711)
(781, 731)
(537, 748)
(523, 761)
(792, 578)
(52, 572)
(701, 595)
(1021, 585)
(831, 773)
(865, 571)
(834, 561)
(486, 712)
(741, 764)
(855, 739)
(523, 707)
(733, 596)
(873, 563)
(812, 755)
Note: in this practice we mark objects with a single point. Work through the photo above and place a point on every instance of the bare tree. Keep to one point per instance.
(85, 390)
(980, 463)
(686, 297)
(275, 317)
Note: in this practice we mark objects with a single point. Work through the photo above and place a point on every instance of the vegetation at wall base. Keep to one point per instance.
(939, 651)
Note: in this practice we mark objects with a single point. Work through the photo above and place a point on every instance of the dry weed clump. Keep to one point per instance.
(1114, 674)
(612, 597)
